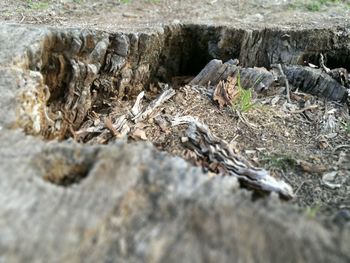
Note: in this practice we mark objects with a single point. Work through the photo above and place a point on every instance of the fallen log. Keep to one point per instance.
(315, 82)
(329, 85)
(216, 71)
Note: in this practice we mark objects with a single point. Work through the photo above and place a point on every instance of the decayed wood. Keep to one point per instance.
(283, 78)
(222, 158)
(207, 73)
(256, 78)
(216, 71)
(330, 84)
(166, 95)
(225, 91)
(118, 128)
(341, 75)
(315, 82)
(121, 126)
(136, 109)
(322, 64)
(98, 218)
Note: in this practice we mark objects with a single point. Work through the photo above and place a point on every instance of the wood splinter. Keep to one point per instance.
(212, 149)
(283, 78)
(166, 95)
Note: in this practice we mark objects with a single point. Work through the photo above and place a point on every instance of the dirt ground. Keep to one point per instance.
(301, 147)
(144, 15)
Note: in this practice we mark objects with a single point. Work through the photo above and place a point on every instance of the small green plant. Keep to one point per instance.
(347, 127)
(311, 212)
(37, 5)
(313, 6)
(243, 101)
(280, 161)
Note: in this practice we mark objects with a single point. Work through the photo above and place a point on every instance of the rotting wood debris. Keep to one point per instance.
(221, 82)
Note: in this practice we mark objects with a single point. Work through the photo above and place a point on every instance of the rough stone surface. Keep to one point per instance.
(64, 202)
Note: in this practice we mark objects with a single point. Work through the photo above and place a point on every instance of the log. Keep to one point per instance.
(315, 82)
(307, 79)
(216, 71)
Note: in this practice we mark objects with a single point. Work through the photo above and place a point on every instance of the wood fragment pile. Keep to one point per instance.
(215, 152)
(223, 82)
(117, 127)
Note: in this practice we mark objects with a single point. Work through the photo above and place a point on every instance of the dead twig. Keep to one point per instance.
(166, 95)
(37, 19)
(245, 121)
(118, 128)
(285, 177)
(299, 187)
(304, 109)
(22, 19)
(283, 78)
(322, 64)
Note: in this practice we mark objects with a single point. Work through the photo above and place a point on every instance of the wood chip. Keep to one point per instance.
(139, 134)
(137, 108)
(162, 123)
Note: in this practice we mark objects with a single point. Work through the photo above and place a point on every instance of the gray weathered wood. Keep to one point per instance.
(315, 82)
(217, 152)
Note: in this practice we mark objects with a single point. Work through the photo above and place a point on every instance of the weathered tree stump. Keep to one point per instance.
(62, 201)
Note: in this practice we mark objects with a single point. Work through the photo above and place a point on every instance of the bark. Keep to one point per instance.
(216, 71)
(315, 82)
